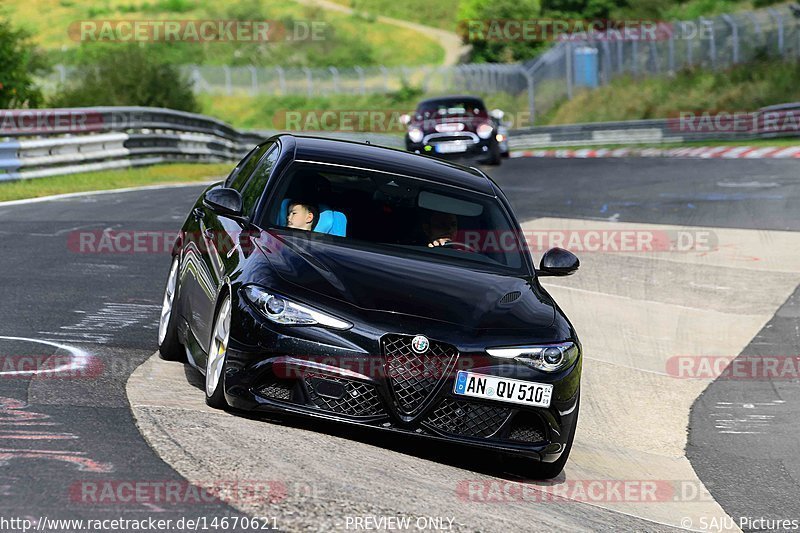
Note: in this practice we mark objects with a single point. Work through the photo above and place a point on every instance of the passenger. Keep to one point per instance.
(302, 215)
(440, 228)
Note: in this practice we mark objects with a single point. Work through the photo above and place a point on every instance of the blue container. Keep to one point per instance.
(586, 67)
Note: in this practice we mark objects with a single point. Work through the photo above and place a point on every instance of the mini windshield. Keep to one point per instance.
(452, 108)
(398, 214)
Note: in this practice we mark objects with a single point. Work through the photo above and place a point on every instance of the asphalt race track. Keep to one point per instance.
(722, 284)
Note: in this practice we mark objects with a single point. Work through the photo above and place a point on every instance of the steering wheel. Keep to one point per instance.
(461, 245)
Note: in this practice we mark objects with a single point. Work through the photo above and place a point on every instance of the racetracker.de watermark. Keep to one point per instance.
(481, 241)
(375, 120)
(582, 490)
(736, 122)
(54, 366)
(180, 492)
(745, 367)
(550, 29)
(46, 121)
(384, 121)
(32, 121)
(196, 31)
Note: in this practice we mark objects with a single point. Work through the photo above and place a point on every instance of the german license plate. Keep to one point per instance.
(451, 147)
(503, 389)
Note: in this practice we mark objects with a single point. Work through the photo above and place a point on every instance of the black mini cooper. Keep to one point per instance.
(375, 287)
(457, 128)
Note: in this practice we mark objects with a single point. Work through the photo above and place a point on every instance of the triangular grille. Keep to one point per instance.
(412, 377)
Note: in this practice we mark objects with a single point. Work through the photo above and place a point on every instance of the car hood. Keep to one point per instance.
(375, 281)
(452, 124)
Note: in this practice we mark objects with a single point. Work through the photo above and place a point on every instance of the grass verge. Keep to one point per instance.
(245, 111)
(112, 179)
(741, 88)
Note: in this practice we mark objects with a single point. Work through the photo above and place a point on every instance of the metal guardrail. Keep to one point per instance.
(769, 122)
(51, 142)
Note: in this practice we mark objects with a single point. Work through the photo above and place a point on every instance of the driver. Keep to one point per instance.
(440, 228)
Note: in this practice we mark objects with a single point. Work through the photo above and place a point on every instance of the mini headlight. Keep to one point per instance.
(415, 134)
(485, 130)
(282, 311)
(545, 357)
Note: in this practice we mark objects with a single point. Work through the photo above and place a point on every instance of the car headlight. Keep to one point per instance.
(283, 311)
(545, 357)
(485, 130)
(415, 134)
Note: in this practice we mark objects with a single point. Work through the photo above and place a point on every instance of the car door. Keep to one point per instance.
(199, 285)
(222, 234)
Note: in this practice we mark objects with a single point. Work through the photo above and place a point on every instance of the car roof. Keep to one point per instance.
(456, 97)
(372, 157)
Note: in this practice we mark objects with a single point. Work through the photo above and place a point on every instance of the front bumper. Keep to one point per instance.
(480, 150)
(283, 373)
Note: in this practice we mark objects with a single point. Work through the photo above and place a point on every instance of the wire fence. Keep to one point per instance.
(481, 77)
(591, 60)
(585, 61)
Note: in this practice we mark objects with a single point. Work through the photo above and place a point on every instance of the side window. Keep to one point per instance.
(256, 184)
(246, 166)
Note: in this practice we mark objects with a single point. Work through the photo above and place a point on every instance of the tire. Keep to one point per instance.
(217, 354)
(531, 469)
(495, 157)
(169, 347)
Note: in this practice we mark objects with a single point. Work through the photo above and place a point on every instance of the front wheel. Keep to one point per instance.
(217, 353)
(495, 157)
(169, 347)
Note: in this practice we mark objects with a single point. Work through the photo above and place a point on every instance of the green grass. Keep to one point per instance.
(112, 179)
(249, 112)
(345, 40)
(742, 88)
(440, 14)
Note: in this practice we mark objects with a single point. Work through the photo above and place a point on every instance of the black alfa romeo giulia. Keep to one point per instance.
(375, 287)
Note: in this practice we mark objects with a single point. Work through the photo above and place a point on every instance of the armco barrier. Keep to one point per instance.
(658, 131)
(50, 142)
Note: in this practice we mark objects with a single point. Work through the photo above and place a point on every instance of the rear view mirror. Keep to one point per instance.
(558, 262)
(497, 114)
(405, 119)
(224, 201)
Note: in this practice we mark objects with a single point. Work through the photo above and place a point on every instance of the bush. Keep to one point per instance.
(19, 61)
(484, 47)
(127, 76)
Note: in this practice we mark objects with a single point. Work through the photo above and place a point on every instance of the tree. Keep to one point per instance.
(584, 9)
(127, 75)
(19, 61)
(484, 24)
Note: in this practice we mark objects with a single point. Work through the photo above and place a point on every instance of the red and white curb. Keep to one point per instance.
(704, 152)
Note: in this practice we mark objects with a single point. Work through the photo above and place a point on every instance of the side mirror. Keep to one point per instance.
(497, 114)
(405, 119)
(224, 201)
(558, 262)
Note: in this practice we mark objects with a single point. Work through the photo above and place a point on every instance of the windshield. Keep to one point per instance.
(397, 214)
(452, 108)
